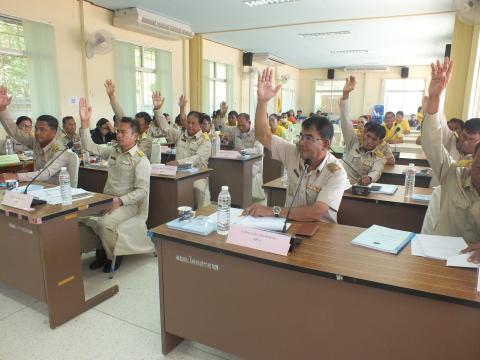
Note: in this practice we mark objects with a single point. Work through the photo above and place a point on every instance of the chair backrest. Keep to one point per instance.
(156, 157)
(73, 164)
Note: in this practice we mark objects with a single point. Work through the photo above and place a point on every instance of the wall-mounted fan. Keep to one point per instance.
(100, 42)
(468, 11)
(284, 78)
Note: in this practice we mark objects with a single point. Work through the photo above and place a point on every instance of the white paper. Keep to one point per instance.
(441, 247)
(387, 189)
(417, 248)
(53, 196)
(461, 261)
(271, 223)
(17, 200)
(162, 169)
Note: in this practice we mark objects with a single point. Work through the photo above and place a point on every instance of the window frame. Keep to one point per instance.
(332, 92)
(403, 91)
(141, 70)
(212, 80)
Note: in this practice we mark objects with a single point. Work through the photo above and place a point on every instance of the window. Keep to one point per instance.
(327, 95)
(288, 96)
(14, 66)
(403, 94)
(217, 85)
(144, 77)
(474, 105)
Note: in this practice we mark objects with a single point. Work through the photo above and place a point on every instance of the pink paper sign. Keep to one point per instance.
(160, 169)
(17, 200)
(259, 239)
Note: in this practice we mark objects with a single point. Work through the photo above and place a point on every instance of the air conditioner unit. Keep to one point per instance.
(366, 68)
(151, 24)
(268, 59)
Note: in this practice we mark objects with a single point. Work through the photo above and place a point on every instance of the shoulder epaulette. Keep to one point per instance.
(379, 154)
(140, 153)
(464, 163)
(205, 135)
(333, 167)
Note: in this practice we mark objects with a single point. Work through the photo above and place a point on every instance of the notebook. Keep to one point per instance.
(387, 189)
(383, 239)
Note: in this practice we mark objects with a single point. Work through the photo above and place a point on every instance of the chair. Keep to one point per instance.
(73, 164)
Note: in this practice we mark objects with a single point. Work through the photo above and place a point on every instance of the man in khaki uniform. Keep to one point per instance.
(365, 162)
(44, 144)
(322, 187)
(192, 146)
(460, 201)
(243, 138)
(128, 180)
(68, 132)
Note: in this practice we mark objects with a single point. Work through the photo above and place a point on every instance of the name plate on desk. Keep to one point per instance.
(17, 200)
(160, 169)
(227, 154)
(259, 239)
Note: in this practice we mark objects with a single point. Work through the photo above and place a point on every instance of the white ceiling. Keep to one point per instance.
(400, 32)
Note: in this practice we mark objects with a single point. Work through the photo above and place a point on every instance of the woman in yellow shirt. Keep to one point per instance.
(275, 128)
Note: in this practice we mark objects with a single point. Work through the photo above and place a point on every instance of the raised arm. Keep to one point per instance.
(8, 123)
(169, 131)
(116, 107)
(265, 92)
(347, 126)
(432, 137)
(154, 128)
(87, 143)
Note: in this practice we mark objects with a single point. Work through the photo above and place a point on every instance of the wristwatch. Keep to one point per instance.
(276, 211)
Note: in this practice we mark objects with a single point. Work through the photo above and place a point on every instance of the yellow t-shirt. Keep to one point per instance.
(420, 118)
(405, 126)
(390, 136)
(281, 132)
(286, 125)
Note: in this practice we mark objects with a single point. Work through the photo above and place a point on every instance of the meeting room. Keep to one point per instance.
(239, 179)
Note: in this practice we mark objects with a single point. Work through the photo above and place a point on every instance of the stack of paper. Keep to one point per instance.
(9, 160)
(442, 248)
(383, 239)
(270, 223)
(421, 197)
(53, 196)
(387, 189)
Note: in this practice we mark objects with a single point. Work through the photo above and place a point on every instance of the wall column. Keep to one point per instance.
(196, 72)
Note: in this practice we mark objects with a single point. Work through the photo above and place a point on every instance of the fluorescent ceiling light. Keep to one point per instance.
(328, 33)
(350, 51)
(267, 2)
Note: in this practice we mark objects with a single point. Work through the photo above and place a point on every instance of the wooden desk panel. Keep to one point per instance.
(328, 290)
(237, 174)
(417, 159)
(395, 174)
(40, 255)
(272, 169)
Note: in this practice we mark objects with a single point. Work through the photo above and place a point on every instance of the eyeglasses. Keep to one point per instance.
(307, 138)
(26, 127)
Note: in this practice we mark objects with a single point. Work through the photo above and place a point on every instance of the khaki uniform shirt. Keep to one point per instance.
(65, 139)
(327, 183)
(41, 156)
(369, 163)
(460, 201)
(247, 142)
(128, 172)
(195, 149)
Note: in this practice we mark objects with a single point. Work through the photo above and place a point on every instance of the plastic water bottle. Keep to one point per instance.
(65, 188)
(9, 150)
(409, 181)
(285, 177)
(223, 211)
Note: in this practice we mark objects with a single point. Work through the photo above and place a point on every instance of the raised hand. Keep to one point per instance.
(110, 88)
(182, 101)
(440, 76)
(85, 112)
(265, 90)
(349, 86)
(223, 108)
(5, 100)
(157, 100)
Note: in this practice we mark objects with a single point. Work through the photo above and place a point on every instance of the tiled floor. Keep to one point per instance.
(126, 326)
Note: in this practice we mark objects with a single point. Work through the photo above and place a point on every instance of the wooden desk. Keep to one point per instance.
(167, 193)
(272, 169)
(328, 299)
(395, 174)
(385, 210)
(237, 174)
(24, 166)
(40, 255)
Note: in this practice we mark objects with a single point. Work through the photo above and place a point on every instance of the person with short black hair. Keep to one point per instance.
(44, 144)
(400, 120)
(325, 180)
(365, 162)
(25, 124)
(394, 131)
(275, 127)
(128, 181)
(68, 132)
(103, 132)
(456, 125)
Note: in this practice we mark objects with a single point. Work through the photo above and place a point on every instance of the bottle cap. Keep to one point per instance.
(411, 164)
(224, 188)
(63, 168)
